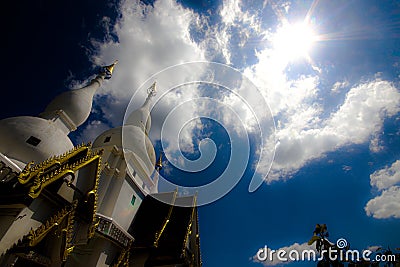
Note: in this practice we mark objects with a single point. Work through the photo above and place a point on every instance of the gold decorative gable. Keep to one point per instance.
(82, 210)
(55, 168)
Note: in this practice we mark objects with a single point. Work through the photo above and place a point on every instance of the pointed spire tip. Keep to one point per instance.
(152, 91)
(108, 70)
(159, 162)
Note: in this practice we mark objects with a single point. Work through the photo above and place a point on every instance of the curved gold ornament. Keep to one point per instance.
(123, 258)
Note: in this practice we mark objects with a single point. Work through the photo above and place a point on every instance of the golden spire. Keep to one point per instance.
(108, 70)
(159, 163)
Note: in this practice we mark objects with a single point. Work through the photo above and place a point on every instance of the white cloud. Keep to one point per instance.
(149, 39)
(339, 86)
(387, 176)
(231, 12)
(364, 110)
(306, 130)
(375, 145)
(230, 37)
(306, 136)
(292, 253)
(386, 205)
(284, 95)
(346, 168)
(91, 131)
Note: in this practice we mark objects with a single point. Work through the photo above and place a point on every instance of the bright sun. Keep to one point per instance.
(293, 41)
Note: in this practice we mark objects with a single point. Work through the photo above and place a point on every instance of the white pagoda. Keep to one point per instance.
(88, 205)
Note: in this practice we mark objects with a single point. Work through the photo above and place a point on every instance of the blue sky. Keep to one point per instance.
(333, 93)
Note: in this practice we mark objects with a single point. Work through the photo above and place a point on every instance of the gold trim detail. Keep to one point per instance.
(35, 236)
(69, 231)
(94, 193)
(166, 221)
(37, 177)
(123, 258)
(58, 167)
(198, 239)
(189, 230)
(31, 170)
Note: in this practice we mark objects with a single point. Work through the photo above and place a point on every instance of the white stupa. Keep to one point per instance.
(28, 138)
(89, 205)
(134, 145)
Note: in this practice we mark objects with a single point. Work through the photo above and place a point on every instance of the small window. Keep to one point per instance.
(107, 139)
(133, 200)
(33, 141)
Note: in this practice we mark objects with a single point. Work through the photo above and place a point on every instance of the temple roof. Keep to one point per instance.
(164, 231)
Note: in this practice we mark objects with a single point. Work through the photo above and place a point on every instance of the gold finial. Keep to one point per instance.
(111, 67)
(108, 70)
(159, 162)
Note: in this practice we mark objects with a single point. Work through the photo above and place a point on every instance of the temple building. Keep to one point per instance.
(93, 204)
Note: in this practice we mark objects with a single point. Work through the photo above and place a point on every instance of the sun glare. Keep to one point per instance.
(293, 41)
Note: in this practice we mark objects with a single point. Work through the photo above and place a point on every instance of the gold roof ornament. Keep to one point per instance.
(159, 162)
(108, 70)
(166, 221)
